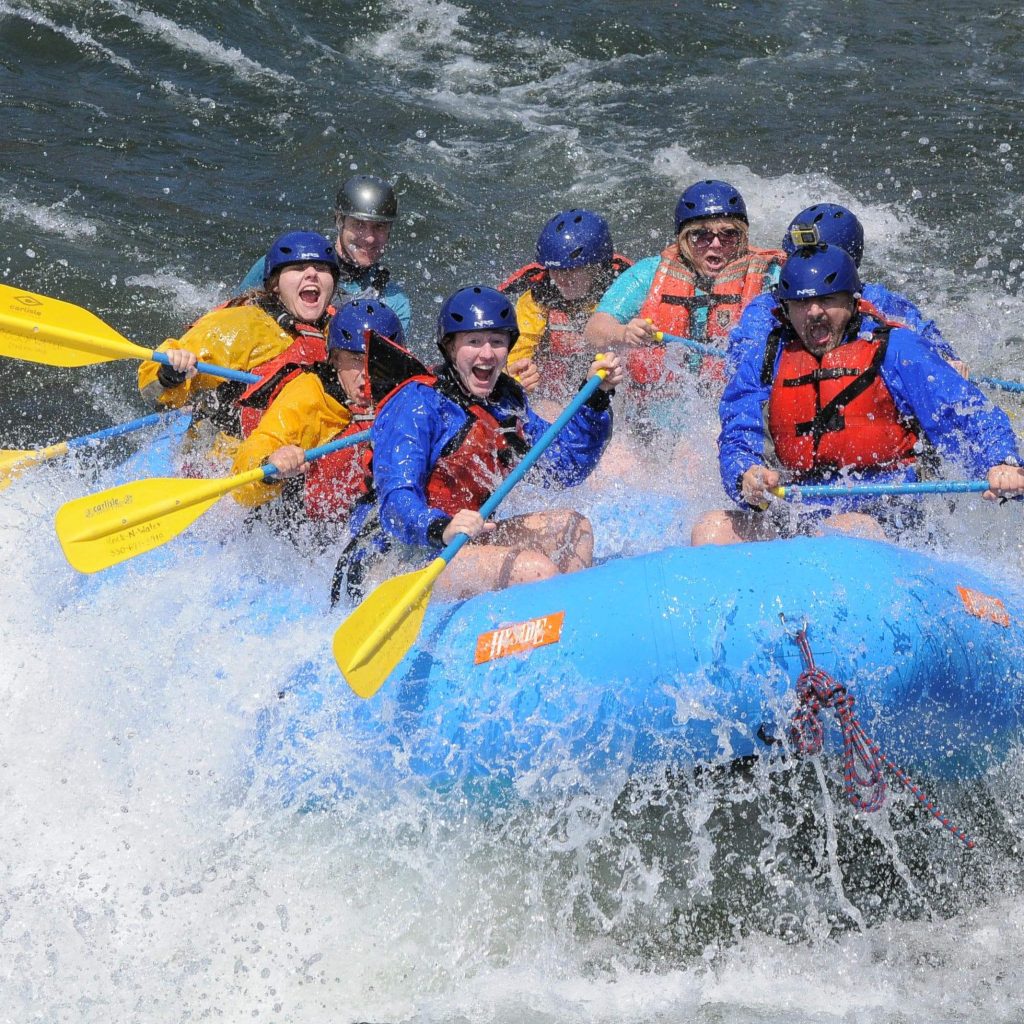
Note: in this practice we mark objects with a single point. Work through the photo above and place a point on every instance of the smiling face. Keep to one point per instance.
(821, 323)
(305, 289)
(712, 243)
(478, 358)
(363, 241)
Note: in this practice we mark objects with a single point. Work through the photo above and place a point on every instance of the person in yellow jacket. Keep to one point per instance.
(287, 317)
(576, 262)
(327, 401)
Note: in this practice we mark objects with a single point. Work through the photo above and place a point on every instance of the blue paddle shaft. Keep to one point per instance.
(697, 346)
(213, 371)
(312, 454)
(996, 382)
(708, 350)
(526, 465)
(122, 428)
(797, 491)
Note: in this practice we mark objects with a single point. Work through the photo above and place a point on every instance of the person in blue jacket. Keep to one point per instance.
(833, 396)
(444, 441)
(365, 210)
(834, 225)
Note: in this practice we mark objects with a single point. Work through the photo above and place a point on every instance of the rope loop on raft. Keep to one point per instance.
(863, 780)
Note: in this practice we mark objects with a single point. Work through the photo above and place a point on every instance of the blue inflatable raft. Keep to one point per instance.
(678, 658)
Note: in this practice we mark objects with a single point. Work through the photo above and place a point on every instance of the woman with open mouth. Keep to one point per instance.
(444, 440)
(281, 323)
(695, 289)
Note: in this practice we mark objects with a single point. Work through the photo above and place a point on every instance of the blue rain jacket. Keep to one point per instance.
(952, 413)
(417, 422)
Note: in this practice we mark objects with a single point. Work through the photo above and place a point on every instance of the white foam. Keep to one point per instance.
(53, 220)
(190, 41)
(81, 40)
(187, 298)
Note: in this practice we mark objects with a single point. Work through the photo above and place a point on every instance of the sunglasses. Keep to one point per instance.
(705, 236)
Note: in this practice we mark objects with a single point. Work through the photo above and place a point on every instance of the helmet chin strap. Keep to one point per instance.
(448, 370)
(349, 268)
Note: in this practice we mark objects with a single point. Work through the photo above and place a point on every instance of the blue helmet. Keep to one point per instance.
(350, 324)
(709, 199)
(574, 238)
(815, 271)
(828, 223)
(299, 247)
(476, 308)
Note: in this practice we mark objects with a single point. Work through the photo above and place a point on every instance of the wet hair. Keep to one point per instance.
(686, 250)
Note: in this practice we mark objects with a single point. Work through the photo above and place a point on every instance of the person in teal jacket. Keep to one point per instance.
(365, 210)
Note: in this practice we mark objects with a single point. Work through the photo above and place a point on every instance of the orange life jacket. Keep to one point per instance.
(836, 413)
(309, 347)
(477, 459)
(673, 296)
(336, 482)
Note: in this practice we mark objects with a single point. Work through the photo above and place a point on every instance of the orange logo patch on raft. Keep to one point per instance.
(984, 606)
(520, 636)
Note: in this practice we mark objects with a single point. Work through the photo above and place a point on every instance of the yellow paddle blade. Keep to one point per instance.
(44, 330)
(13, 463)
(101, 530)
(378, 634)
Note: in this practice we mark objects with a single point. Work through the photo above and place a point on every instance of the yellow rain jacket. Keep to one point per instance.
(305, 415)
(238, 337)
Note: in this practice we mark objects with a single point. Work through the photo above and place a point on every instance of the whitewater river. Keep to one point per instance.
(148, 153)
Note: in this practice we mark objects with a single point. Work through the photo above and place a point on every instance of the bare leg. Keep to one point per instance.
(483, 567)
(564, 536)
(730, 526)
(856, 524)
(522, 549)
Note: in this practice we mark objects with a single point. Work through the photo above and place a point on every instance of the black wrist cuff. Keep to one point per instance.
(435, 531)
(600, 401)
(169, 377)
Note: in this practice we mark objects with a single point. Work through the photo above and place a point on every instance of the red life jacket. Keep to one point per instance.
(335, 483)
(836, 413)
(673, 296)
(309, 347)
(566, 320)
(477, 459)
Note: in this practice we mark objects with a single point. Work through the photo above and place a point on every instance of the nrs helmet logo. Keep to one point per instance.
(483, 323)
(808, 292)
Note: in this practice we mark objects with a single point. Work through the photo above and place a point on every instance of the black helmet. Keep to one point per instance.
(367, 198)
